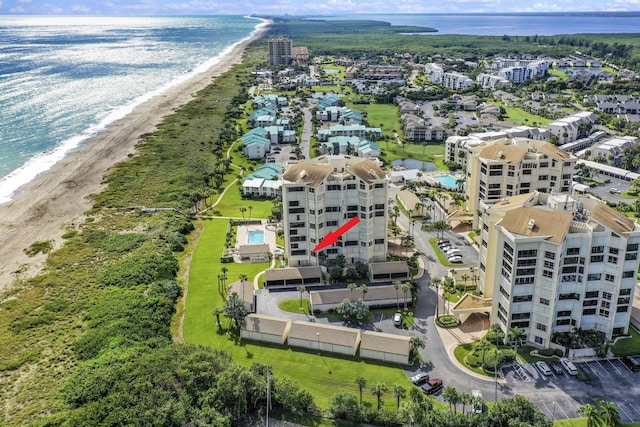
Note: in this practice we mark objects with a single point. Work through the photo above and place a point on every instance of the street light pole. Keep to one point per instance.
(318, 337)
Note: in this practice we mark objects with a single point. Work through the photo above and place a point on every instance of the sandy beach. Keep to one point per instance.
(55, 200)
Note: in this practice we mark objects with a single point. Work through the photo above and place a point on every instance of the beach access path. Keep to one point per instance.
(56, 199)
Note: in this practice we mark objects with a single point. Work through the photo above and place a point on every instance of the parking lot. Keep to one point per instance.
(559, 396)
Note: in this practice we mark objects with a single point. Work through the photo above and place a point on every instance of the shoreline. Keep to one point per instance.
(57, 198)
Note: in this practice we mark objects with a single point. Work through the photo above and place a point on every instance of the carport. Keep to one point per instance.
(244, 289)
(385, 347)
(293, 276)
(388, 271)
(328, 338)
(260, 327)
(470, 303)
(377, 296)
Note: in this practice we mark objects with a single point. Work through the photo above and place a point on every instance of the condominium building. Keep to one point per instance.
(280, 51)
(508, 167)
(553, 263)
(322, 194)
(576, 126)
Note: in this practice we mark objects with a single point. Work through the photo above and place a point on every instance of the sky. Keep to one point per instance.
(302, 7)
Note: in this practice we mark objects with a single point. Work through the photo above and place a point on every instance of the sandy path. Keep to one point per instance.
(58, 197)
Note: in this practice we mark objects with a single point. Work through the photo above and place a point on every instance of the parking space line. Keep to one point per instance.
(623, 411)
(634, 408)
(625, 365)
(560, 407)
(591, 369)
(600, 364)
(613, 366)
(551, 414)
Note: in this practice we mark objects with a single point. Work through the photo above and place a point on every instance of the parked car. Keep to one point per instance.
(432, 386)
(615, 191)
(557, 368)
(293, 158)
(455, 259)
(478, 405)
(569, 366)
(397, 319)
(442, 242)
(544, 368)
(420, 378)
(632, 363)
(453, 251)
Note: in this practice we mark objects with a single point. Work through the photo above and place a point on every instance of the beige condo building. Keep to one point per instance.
(322, 194)
(552, 263)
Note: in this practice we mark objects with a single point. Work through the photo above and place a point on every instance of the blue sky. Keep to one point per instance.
(301, 7)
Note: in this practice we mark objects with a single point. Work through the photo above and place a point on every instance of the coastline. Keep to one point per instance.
(55, 200)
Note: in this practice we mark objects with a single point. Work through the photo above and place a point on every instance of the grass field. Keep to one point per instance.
(627, 346)
(521, 117)
(431, 152)
(321, 375)
(380, 114)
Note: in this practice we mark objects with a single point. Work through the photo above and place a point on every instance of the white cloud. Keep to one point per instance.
(18, 10)
(77, 8)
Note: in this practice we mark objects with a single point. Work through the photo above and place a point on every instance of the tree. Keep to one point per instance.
(235, 309)
(302, 290)
(364, 289)
(352, 286)
(250, 210)
(435, 282)
(399, 392)
(465, 399)
(516, 336)
(243, 278)
(217, 312)
(242, 211)
(379, 389)
(591, 413)
(415, 345)
(406, 288)
(608, 412)
(396, 285)
(483, 345)
(344, 405)
(362, 383)
(450, 395)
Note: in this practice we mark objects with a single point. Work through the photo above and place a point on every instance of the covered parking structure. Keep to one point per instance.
(322, 337)
(385, 347)
(388, 271)
(376, 296)
(470, 303)
(260, 327)
(293, 276)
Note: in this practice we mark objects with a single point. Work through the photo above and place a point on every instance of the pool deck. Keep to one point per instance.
(243, 234)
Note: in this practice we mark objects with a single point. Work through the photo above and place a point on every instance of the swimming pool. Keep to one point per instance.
(447, 180)
(255, 237)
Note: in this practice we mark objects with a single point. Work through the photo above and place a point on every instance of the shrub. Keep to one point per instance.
(473, 360)
(43, 246)
(121, 243)
(547, 352)
(558, 352)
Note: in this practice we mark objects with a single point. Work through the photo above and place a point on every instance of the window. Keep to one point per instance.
(549, 255)
(295, 189)
(541, 327)
(379, 185)
(379, 213)
(609, 277)
(561, 322)
(544, 301)
(504, 292)
(526, 262)
(334, 187)
(597, 249)
(612, 259)
(549, 264)
(528, 253)
(352, 208)
(597, 258)
(520, 324)
(606, 295)
(520, 316)
(351, 243)
(632, 247)
(625, 291)
(296, 210)
(563, 313)
(588, 311)
(547, 273)
(590, 303)
(522, 298)
(592, 294)
(622, 309)
(379, 206)
(332, 209)
(630, 256)
(379, 241)
(569, 296)
(299, 252)
(508, 248)
(603, 313)
(538, 340)
(594, 276)
(573, 251)
(524, 280)
(331, 223)
(627, 274)
(613, 250)
(525, 271)
(351, 186)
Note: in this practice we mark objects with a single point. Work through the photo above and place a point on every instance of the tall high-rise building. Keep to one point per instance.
(555, 263)
(322, 194)
(280, 51)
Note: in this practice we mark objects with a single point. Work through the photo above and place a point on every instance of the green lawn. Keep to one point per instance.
(295, 306)
(627, 346)
(321, 375)
(232, 202)
(521, 117)
(559, 74)
(431, 152)
(380, 114)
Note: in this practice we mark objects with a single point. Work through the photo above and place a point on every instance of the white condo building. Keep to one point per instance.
(553, 263)
(322, 194)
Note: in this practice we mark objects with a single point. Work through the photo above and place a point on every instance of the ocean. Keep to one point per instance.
(512, 24)
(63, 79)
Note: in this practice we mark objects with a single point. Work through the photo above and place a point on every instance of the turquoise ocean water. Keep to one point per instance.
(62, 79)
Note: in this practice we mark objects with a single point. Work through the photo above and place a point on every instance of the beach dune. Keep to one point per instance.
(56, 199)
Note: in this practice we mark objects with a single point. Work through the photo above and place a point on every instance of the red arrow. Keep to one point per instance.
(332, 236)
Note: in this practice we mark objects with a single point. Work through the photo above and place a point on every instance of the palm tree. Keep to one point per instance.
(364, 289)
(235, 309)
(243, 277)
(406, 287)
(516, 336)
(396, 211)
(415, 345)
(302, 290)
(465, 277)
(435, 282)
(379, 389)
(362, 383)
(465, 399)
(217, 312)
(399, 392)
(351, 286)
(450, 395)
(608, 412)
(483, 345)
(591, 412)
(250, 209)
(242, 211)
(396, 285)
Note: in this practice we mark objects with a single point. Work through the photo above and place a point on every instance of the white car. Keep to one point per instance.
(544, 368)
(455, 258)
